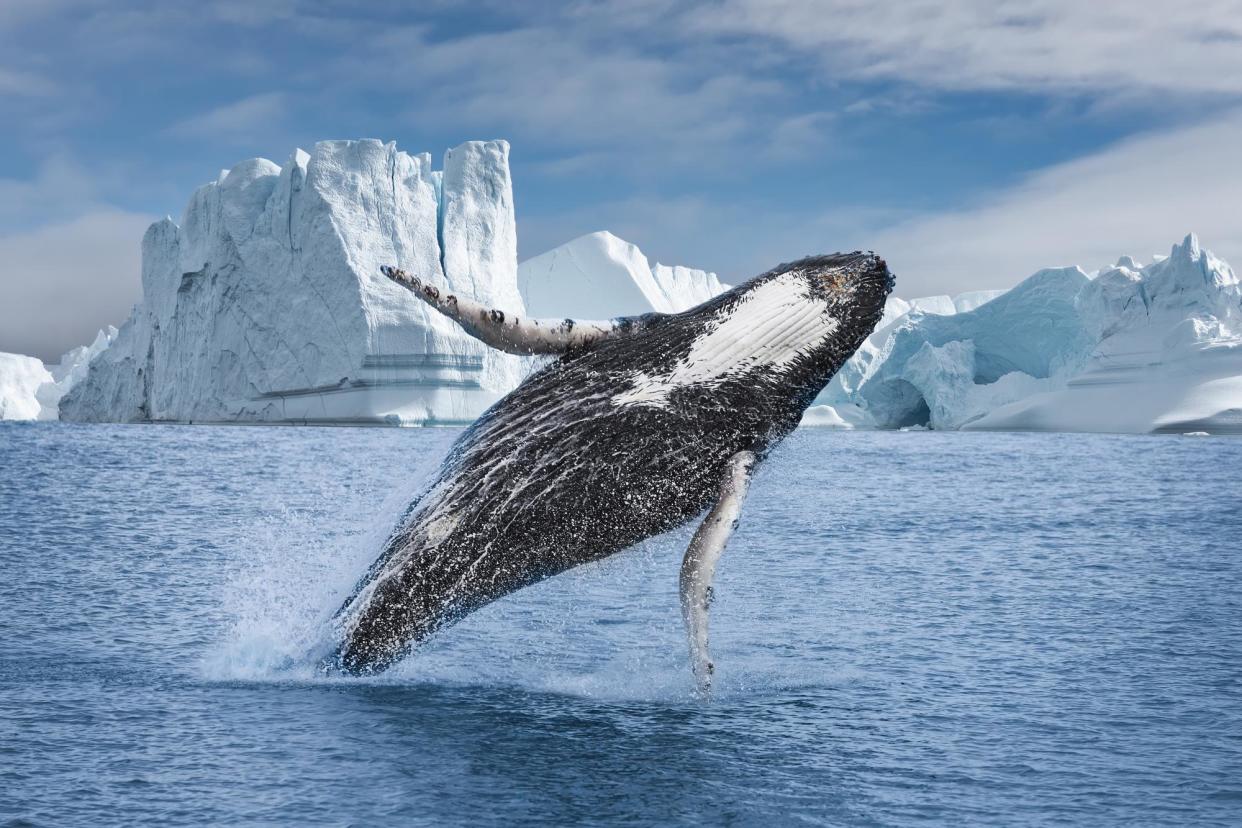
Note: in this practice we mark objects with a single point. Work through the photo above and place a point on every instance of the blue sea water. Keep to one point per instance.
(909, 628)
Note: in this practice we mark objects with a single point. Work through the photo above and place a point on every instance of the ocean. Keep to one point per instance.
(909, 628)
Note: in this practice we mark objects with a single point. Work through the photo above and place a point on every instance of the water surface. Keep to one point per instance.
(909, 628)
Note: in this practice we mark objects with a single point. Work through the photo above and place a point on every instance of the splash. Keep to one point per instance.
(293, 569)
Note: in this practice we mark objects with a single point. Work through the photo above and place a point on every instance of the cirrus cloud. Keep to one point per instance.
(1040, 45)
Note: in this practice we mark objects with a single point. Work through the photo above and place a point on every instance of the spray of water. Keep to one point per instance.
(291, 572)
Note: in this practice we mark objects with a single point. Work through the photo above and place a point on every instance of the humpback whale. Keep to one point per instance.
(636, 425)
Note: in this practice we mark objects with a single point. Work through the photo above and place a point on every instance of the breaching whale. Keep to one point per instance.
(638, 425)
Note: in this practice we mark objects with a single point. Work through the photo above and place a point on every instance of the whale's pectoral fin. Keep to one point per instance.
(699, 564)
(507, 332)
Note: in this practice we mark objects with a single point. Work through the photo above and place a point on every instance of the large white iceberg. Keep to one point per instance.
(1130, 349)
(1166, 353)
(266, 303)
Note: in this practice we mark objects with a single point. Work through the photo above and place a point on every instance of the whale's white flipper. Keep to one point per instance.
(699, 565)
(507, 332)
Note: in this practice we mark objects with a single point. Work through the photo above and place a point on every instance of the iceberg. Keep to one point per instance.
(75, 363)
(21, 377)
(266, 304)
(843, 416)
(599, 276)
(1166, 354)
(1128, 349)
(966, 302)
(30, 390)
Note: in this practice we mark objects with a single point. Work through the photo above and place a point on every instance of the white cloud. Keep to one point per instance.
(235, 121)
(62, 282)
(1137, 197)
(1042, 45)
(560, 87)
(799, 136)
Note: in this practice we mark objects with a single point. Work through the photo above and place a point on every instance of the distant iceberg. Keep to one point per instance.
(30, 390)
(1130, 349)
(266, 304)
(599, 276)
(20, 380)
(1166, 353)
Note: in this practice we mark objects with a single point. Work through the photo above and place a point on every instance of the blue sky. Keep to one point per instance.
(969, 142)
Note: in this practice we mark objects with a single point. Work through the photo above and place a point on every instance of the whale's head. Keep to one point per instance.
(780, 336)
(853, 288)
(813, 312)
(804, 319)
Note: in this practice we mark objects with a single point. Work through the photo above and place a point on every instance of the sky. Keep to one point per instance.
(970, 142)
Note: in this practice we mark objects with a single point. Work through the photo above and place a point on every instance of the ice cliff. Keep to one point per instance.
(1128, 349)
(266, 302)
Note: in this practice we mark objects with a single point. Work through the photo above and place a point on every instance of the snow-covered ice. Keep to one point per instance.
(75, 363)
(1167, 353)
(842, 416)
(266, 304)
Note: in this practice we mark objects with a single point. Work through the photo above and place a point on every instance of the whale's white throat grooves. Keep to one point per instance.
(767, 330)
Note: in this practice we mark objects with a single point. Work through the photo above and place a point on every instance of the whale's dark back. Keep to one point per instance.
(558, 473)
